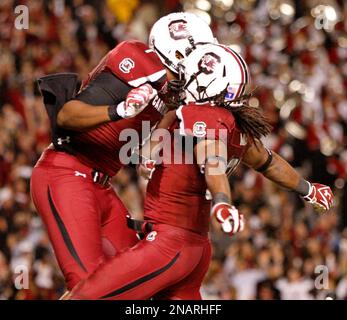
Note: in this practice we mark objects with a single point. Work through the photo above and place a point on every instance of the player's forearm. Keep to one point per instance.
(211, 157)
(278, 170)
(275, 168)
(155, 141)
(219, 187)
(317, 194)
(77, 115)
(282, 173)
(153, 145)
(231, 220)
(167, 120)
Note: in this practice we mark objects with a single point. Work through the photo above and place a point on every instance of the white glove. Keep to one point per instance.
(136, 100)
(320, 196)
(231, 220)
(146, 169)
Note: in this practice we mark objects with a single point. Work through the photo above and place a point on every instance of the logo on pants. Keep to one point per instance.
(151, 236)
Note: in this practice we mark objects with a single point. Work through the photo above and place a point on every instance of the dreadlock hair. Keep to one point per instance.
(250, 120)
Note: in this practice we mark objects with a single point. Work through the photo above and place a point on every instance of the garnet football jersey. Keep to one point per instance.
(176, 192)
(132, 63)
(211, 122)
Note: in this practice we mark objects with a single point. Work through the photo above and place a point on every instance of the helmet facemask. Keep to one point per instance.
(215, 74)
(220, 99)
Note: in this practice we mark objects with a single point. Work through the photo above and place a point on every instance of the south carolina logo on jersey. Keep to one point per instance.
(199, 129)
(178, 29)
(208, 62)
(126, 65)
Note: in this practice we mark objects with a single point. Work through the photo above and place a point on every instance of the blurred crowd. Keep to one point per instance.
(297, 53)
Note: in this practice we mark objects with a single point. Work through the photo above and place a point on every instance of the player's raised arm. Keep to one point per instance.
(278, 170)
(77, 115)
(105, 99)
(211, 156)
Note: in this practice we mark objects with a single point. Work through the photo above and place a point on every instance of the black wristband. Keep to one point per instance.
(113, 114)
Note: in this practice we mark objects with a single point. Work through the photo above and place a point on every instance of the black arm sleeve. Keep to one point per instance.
(105, 89)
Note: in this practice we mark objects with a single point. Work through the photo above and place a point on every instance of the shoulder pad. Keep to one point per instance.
(134, 63)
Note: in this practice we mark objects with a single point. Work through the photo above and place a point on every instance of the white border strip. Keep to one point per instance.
(180, 117)
(151, 78)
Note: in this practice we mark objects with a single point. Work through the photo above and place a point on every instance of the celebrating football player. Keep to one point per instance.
(170, 263)
(85, 219)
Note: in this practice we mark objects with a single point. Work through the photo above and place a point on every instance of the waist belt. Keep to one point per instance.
(58, 158)
(141, 227)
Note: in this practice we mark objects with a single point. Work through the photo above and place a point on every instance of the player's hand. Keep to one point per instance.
(229, 217)
(320, 196)
(175, 95)
(136, 100)
(146, 169)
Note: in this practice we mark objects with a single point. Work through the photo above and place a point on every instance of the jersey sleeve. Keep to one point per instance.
(56, 90)
(135, 63)
(104, 89)
(204, 123)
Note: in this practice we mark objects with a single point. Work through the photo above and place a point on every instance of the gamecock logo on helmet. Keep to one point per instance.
(178, 29)
(208, 62)
(126, 65)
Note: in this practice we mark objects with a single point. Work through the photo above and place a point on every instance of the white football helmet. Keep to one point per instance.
(213, 69)
(174, 36)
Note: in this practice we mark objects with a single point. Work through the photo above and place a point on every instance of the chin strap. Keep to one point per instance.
(192, 45)
(188, 51)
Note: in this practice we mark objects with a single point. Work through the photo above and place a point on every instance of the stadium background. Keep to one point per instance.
(297, 52)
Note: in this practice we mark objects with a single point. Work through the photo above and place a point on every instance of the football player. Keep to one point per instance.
(170, 263)
(85, 219)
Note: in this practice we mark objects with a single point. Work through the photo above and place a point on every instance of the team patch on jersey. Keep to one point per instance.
(126, 65)
(208, 62)
(151, 236)
(178, 29)
(199, 129)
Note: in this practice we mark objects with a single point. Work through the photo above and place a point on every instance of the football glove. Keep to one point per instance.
(320, 196)
(136, 100)
(231, 220)
(146, 168)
